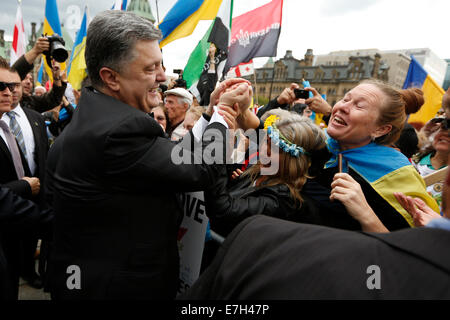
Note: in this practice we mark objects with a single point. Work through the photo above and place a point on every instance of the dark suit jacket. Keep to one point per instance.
(41, 149)
(114, 194)
(268, 258)
(17, 217)
(8, 176)
(9, 179)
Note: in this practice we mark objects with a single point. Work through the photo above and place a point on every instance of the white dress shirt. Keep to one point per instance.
(27, 133)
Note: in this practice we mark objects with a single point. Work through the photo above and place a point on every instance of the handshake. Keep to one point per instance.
(232, 98)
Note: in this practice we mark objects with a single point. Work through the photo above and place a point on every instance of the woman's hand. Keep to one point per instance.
(236, 174)
(220, 89)
(239, 94)
(317, 103)
(419, 211)
(349, 192)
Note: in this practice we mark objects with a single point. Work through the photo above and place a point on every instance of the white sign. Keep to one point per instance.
(191, 238)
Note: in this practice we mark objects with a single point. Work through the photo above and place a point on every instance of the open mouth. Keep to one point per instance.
(338, 120)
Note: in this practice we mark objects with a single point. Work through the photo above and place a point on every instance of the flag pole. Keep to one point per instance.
(157, 11)
(256, 85)
(271, 84)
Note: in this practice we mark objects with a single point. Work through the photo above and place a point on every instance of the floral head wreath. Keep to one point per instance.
(281, 141)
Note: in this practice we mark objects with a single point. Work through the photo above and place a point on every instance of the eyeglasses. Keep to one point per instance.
(445, 122)
(10, 85)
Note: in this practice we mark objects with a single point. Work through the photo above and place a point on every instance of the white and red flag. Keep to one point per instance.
(241, 70)
(19, 39)
(255, 34)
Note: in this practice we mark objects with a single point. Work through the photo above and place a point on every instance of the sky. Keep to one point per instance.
(321, 25)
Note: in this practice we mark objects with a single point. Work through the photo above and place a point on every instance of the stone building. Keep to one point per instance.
(141, 8)
(333, 80)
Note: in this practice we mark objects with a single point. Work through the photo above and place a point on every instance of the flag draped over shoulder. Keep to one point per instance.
(19, 39)
(417, 77)
(386, 170)
(77, 66)
(200, 80)
(184, 16)
(52, 25)
(255, 34)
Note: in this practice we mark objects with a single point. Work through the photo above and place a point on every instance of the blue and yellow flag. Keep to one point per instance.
(40, 73)
(386, 170)
(315, 117)
(52, 26)
(77, 66)
(417, 77)
(184, 16)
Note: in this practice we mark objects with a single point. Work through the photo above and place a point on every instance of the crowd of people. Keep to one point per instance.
(91, 174)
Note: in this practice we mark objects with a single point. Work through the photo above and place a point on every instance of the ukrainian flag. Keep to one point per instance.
(184, 16)
(386, 170)
(77, 65)
(51, 26)
(315, 117)
(40, 73)
(417, 77)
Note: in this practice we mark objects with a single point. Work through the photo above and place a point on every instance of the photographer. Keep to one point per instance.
(288, 98)
(24, 66)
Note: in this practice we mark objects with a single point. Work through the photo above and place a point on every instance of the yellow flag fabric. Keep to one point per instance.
(408, 180)
(51, 26)
(433, 94)
(207, 11)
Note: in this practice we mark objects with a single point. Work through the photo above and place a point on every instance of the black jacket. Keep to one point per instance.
(114, 189)
(226, 208)
(18, 217)
(268, 259)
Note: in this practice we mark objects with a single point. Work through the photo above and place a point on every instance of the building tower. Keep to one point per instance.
(141, 8)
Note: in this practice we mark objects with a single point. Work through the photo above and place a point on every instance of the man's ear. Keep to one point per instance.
(110, 78)
(382, 130)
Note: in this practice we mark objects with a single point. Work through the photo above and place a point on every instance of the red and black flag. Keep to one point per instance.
(255, 34)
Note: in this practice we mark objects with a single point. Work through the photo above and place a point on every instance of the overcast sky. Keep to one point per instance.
(322, 25)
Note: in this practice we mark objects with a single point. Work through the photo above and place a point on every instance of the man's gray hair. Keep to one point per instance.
(111, 38)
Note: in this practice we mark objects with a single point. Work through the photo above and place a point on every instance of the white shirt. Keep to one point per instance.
(27, 133)
(2, 134)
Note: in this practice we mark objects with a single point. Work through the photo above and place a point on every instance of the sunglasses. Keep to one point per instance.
(10, 85)
(445, 122)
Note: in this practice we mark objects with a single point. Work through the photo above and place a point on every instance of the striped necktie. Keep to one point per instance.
(17, 131)
(15, 154)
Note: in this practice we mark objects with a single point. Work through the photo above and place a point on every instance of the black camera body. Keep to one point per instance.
(57, 50)
(301, 94)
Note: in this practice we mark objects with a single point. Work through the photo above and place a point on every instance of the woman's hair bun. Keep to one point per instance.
(413, 99)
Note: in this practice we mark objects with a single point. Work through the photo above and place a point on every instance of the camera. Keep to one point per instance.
(57, 50)
(179, 72)
(301, 94)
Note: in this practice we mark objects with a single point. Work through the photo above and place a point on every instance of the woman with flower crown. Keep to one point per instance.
(292, 142)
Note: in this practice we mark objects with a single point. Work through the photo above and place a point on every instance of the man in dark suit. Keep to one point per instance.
(30, 130)
(15, 172)
(112, 175)
(18, 217)
(271, 259)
